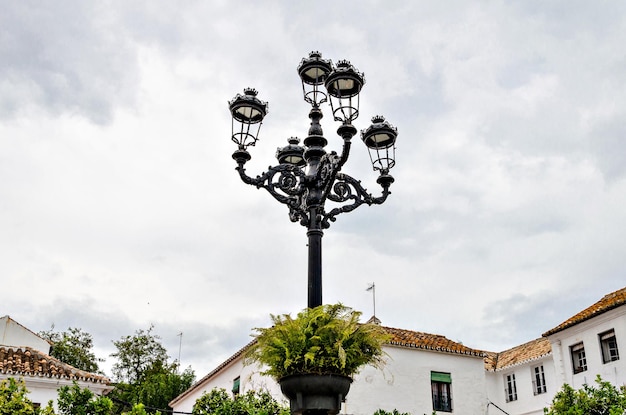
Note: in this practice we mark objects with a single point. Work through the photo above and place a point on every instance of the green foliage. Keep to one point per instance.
(324, 340)
(145, 374)
(605, 399)
(394, 412)
(218, 402)
(137, 355)
(73, 347)
(13, 399)
(139, 409)
(74, 400)
(163, 384)
(215, 402)
(48, 410)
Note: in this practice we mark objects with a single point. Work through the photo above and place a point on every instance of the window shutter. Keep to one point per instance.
(440, 377)
(236, 384)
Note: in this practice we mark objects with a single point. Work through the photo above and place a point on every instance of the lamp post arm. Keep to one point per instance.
(349, 189)
(285, 183)
(346, 131)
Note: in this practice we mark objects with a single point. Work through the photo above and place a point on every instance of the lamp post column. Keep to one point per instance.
(315, 234)
(313, 154)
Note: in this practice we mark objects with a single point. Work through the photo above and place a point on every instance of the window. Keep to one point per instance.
(608, 344)
(539, 382)
(510, 389)
(579, 359)
(440, 385)
(236, 385)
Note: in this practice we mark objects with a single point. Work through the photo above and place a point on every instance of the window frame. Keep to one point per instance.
(510, 387)
(236, 390)
(539, 380)
(579, 357)
(441, 391)
(608, 346)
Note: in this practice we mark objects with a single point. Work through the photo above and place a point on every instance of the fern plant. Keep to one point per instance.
(323, 340)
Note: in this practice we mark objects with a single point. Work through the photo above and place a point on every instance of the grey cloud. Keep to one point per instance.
(518, 318)
(64, 58)
(204, 344)
(608, 142)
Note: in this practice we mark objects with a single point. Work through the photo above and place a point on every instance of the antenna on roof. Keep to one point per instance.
(372, 288)
(180, 346)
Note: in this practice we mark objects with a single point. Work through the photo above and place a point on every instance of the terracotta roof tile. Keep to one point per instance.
(608, 302)
(426, 341)
(25, 361)
(518, 355)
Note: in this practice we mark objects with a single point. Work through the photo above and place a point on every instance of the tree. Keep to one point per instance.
(136, 355)
(218, 402)
(162, 384)
(144, 374)
(13, 399)
(605, 399)
(73, 347)
(74, 400)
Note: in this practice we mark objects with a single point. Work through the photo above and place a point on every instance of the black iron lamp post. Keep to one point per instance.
(307, 176)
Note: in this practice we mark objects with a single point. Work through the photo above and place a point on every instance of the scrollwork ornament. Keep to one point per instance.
(288, 183)
(341, 192)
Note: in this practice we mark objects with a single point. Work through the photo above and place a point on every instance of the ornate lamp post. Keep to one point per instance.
(307, 176)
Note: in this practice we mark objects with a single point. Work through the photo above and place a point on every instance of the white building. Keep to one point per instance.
(427, 372)
(587, 344)
(524, 379)
(521, 380)
(25, 355)
(419, 366)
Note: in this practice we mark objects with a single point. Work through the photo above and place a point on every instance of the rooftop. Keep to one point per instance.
(25, 361)
(527, 352)
(427, 341)
(607, 303)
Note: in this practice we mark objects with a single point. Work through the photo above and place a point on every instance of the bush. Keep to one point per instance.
(605, 399)
(218, 402)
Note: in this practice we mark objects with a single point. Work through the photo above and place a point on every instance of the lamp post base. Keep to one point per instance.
(312, 394)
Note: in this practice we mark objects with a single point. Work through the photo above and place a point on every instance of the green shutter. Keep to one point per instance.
(440, 377)
(236, 384)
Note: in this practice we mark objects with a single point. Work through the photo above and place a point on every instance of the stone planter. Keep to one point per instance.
(312, 394)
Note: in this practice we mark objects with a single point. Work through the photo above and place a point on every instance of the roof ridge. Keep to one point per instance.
(428, 341)
(520, 354)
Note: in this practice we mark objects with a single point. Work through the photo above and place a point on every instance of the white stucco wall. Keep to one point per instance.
(587, 332)
(527, 402)
(14, 334)
(404, 383)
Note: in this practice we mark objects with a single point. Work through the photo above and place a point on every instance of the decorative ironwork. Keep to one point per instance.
(307, 176)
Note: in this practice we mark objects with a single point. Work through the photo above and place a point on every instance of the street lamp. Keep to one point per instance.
(307, 176)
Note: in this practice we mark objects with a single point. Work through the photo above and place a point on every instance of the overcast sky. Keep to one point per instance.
(120, 206)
